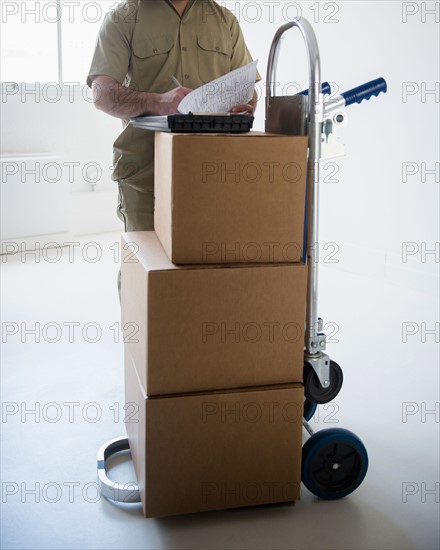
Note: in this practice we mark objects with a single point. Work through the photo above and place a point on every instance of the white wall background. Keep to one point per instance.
(368, 208)
(369, 211)
(61, 122)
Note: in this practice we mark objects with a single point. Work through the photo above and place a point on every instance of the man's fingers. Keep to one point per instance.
(243, 108)
(181, 91)
(184, 92)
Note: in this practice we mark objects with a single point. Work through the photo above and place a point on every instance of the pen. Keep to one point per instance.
(174, 79)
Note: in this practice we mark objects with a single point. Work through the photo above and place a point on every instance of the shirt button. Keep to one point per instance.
(155, 50)
(184, 49)
(217, 48)
(187, 76)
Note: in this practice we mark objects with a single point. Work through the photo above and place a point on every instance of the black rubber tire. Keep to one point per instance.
(313, 390)
(334, 463)
(309, 409)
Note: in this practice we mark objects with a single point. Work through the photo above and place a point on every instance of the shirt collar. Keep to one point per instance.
(189, 5)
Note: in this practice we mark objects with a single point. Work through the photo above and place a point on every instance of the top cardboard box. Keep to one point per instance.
(228, 198)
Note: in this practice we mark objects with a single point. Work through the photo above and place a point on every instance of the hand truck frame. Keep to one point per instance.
(334, 461)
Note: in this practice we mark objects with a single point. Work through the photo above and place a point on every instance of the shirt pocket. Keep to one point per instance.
(149, 57)
(214, 56)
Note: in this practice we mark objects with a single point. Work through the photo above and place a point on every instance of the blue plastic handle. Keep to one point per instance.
(326, 89)
(366, 91)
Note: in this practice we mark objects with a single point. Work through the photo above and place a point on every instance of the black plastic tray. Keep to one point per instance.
(215, 124)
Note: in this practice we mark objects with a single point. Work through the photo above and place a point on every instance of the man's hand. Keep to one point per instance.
(121, 102)
(247, 108)
(166, 104)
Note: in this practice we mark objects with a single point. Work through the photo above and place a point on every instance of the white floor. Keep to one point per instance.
(75, 388)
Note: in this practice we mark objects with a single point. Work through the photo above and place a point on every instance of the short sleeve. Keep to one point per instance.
(113, 46)
(240, 53)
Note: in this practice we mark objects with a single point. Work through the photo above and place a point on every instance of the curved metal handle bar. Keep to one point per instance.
(315, 122)
(128, 492)
(314, 61)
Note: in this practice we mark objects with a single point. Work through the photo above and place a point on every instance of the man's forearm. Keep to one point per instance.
(121, 102)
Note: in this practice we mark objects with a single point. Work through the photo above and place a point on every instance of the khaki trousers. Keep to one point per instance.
(136, 210)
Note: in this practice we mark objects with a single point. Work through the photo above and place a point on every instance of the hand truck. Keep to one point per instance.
(334, 461)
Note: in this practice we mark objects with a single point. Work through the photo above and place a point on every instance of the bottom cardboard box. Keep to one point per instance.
(217, 450)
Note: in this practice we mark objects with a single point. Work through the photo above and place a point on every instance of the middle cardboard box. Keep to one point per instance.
(202, 328)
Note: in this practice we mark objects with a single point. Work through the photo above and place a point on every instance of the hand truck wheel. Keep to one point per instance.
(334, 463)
(309, 409)
(312, 387)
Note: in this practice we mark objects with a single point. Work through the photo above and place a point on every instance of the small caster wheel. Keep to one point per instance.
(334, 463)
(309, 409)
(312, 387)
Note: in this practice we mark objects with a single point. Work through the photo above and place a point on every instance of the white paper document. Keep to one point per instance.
(218, 96)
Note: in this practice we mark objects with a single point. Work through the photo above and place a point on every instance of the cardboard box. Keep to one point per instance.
(203, 328)
(230, 198)
(214, 451)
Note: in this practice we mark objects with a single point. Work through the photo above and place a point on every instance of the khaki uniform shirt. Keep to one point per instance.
(142, 43)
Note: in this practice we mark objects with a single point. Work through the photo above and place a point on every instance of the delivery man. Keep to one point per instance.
(141, 46)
